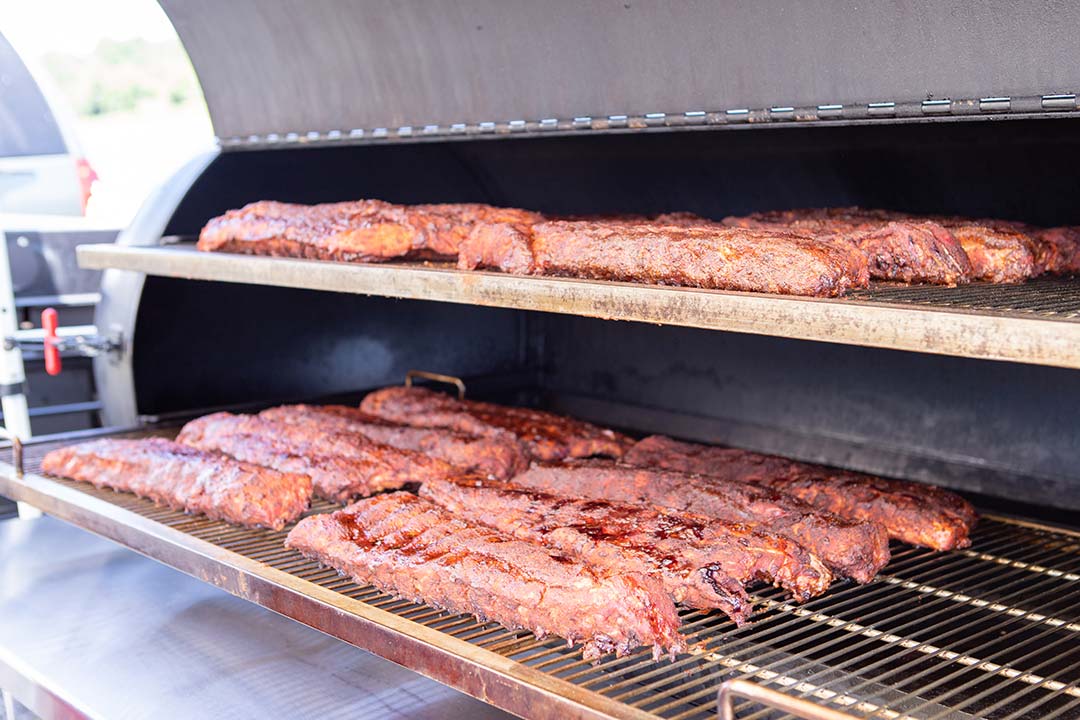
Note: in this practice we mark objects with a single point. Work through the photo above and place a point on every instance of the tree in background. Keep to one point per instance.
(122, 75)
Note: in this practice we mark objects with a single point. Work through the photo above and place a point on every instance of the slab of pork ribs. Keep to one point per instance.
(356, 231)
(701, 561)
(769, 260)
(897, 248)
(546, 436)
(186, 478)
(410, 547)
(1058, 249)
(855, 549)
(915, 513)
(499, 456)
(342, 465)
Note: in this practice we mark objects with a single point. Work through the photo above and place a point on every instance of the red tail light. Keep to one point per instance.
(87, 176)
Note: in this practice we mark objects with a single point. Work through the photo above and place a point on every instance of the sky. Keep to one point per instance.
(32, 26)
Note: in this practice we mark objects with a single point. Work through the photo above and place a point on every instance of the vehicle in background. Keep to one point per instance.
(42, 168)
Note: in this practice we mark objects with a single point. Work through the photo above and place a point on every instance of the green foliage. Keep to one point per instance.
(119, 76)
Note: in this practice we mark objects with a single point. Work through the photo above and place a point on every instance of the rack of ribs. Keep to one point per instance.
(341, 465)
(855, 549)
(356, 231)
(912, 512)
(691, 254)
(410, 547)
(500, 456)
(546, 436)
(999, 252)
(701, 562)
(186, 478)
(896, 247)
(1058, 249)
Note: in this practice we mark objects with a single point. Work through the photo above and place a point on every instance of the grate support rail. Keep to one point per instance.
(989, 632)
(1037, 322)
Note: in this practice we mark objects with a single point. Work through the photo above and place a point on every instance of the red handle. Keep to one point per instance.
(49, 322)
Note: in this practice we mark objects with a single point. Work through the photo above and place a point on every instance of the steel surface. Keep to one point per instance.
(382, 69)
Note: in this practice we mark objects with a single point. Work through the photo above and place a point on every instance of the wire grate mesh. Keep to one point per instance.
(992, 631)
(1048, 297)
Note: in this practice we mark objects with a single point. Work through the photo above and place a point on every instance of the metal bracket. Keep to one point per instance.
(725, 702)
(16, 450)
(15, 388)
(87, 345)
(437, 377)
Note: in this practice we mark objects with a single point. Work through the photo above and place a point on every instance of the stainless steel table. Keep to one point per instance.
(90, 629)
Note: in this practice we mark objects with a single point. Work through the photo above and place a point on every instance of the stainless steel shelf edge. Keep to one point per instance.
(485, 675)
(988, 335)
(36, 693)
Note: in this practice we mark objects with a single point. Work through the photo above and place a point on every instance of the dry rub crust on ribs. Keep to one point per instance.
(1058, 249)
(999, 251)
(702, 562)
(342, 465)
(686, 253)
(681, 218)
(546, 436)
(854, 549)
(499, 456)
(411, 547)
(897, 247)
(912, 512)
(356, 231)
(186, 478)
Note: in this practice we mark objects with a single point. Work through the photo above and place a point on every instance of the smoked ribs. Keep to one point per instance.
(341, 465)
(500, 456)
(186, 478)
(545, 435)
(702, 562)
(912, 512)
(356, 231)
(686, 254)
(855, 549)
(410, 547)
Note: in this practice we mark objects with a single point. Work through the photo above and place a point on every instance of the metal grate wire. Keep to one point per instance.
(1048, 297)
(990, 632)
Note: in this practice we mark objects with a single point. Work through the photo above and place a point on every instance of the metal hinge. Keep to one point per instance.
(779, 113)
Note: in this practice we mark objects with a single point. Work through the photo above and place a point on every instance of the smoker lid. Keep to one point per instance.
(341, 69)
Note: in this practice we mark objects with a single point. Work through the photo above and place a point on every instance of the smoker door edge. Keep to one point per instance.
(340, 70)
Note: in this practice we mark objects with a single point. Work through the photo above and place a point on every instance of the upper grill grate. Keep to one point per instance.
(1052, 298)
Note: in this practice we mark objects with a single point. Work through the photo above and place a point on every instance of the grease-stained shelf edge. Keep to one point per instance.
(1036, 323)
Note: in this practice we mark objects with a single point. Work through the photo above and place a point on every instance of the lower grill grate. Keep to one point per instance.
(992, 631)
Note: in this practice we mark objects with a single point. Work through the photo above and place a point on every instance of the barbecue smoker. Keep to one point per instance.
(615, 107)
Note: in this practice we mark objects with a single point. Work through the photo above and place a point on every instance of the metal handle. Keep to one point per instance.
(49, 323)
(437, 377)
(16, 449)
(725, 701)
